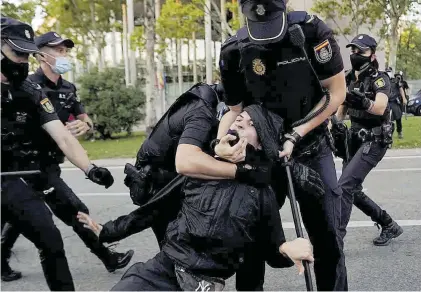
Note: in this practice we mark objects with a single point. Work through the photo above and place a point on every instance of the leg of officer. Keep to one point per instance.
(399, 126)
(353, 175)
(251, 273)
(65, 204)
(322, 225)
(157, 274)
(9, 235)
(29, 213)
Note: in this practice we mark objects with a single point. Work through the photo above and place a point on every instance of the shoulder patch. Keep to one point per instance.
(323, 52)
(379, 82)
(295, 17)
(47, 106)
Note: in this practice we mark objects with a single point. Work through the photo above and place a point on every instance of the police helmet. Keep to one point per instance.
(18, 35)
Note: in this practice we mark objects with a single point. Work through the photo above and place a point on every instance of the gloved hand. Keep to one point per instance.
(256, 175)
(100, 175)
(307, 179)
(358, 100)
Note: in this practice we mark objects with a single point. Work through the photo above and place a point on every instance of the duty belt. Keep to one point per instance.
(366, 135)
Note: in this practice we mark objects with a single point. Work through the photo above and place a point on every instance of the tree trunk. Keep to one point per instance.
(179, 67)
(150, 64)
(223, 22)
(160, 101)
(194, 58)
(393, 42)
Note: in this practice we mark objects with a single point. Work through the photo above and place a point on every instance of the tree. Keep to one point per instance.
(356, 13)
(114, 106)
(24, 12)
(409, 52)
(368, 12)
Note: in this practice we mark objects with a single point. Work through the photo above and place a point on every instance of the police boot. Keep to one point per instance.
(400, 136)
(390, 230)
(8, 238)
(114, 260)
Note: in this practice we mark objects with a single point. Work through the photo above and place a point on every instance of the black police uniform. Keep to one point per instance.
(370, 135)
(23, 114)
(219, 222)
(61, 199)
(278, 76)
(395, 103)
(190, 120)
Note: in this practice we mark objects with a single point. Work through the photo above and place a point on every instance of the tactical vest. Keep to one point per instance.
(362, 118)
(167, 139)
(20, 130)
(279, 76)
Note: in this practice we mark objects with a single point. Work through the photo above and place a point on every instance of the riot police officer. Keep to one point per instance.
(277, 60)
(370, 135)
(397, 100)
(62, 200)
(26, 113)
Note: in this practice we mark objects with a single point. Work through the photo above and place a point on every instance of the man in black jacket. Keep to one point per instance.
(221, 221)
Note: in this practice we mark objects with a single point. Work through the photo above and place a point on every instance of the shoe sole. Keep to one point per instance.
(124, 263)
(400, 231)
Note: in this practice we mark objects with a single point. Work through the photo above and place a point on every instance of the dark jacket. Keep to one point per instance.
(219, 222)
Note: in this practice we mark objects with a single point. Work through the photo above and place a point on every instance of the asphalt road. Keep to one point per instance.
(394, 184)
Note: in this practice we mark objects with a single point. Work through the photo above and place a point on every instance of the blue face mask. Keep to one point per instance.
(62, 65)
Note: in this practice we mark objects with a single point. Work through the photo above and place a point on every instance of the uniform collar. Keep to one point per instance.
(47, 82)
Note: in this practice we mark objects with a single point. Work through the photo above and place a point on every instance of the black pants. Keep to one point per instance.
(21, 206)
(157, 274)
(321, 220)
(396, 115)
(65, 205)
(364, 157)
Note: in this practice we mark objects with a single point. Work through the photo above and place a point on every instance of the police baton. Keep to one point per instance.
(297, 222)
(20, 173)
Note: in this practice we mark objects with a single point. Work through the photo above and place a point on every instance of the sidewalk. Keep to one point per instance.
(123, 161)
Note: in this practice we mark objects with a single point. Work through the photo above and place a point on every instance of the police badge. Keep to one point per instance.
(323, 52)
(47, 106)
(258, 67)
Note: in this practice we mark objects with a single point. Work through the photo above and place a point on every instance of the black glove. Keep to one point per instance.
(101, 176)
(307, 179)
(256, 175)
(358, 100)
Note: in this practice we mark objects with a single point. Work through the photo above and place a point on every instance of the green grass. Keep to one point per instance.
(411, 129)
(123, 146)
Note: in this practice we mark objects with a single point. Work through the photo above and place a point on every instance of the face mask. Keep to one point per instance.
(15, 73)
(62, 65)
(358, 61)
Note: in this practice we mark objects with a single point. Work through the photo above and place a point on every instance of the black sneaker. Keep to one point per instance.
(400, 136)
(116, 260)
(8, 275)
(389, 232)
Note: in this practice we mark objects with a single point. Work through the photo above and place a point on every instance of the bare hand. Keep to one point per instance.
(287, 149)
(89, 223)
(405, 102)
(298, 250)
(236, 153)
(77, 128)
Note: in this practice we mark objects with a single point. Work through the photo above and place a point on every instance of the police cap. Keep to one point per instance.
(18, 35)
(52, 39)
(266, 20)
(363, 42)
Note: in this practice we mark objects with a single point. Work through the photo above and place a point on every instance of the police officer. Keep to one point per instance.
(266, 62)
(370, 135)
(26, 113)
(62, 200)
(397, 100)
(179, 143)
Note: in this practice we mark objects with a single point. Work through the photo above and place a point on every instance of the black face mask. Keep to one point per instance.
(15, 73)
(358, 61)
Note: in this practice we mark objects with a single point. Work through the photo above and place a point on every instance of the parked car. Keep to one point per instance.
(414, 104)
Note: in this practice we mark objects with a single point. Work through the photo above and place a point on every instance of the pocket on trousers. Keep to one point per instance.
(374, 155)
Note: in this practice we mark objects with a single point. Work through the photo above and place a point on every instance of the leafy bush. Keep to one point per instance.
(113, 106)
